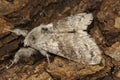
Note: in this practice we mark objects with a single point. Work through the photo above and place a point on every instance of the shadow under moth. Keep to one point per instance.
(66, 38)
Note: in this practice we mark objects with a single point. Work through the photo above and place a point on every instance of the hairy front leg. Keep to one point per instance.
(22, 52)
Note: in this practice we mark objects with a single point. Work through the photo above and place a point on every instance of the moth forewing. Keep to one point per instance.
(74, 46)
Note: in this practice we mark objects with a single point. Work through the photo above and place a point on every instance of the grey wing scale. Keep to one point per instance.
(75, 22)
(73, 46)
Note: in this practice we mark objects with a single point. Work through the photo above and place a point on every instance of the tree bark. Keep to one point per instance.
(27, 14)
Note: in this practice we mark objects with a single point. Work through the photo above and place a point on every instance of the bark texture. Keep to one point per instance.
(27, 14)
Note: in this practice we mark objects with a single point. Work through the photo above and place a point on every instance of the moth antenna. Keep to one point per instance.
(19, 32)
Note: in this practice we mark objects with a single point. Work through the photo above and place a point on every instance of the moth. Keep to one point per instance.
(66, 38)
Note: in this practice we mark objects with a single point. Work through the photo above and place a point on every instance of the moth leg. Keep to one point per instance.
(44, 53)
(23, 52)
(9, 66)
(15, 60)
